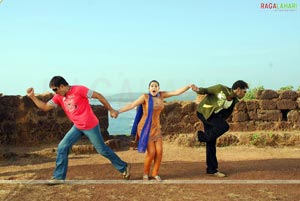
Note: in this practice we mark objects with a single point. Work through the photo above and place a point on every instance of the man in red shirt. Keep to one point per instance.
(74, 101)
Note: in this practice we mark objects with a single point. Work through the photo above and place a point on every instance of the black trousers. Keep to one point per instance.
(214, 127)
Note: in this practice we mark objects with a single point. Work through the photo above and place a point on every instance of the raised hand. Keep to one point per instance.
(30, 92)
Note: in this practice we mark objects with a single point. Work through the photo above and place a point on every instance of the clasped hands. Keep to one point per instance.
(114, 113)
(194, 87)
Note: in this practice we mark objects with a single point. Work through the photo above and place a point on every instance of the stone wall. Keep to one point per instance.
(22, 123)
(271, 110)
(179, 117)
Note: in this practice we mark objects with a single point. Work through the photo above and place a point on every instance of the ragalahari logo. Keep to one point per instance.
(279, 6)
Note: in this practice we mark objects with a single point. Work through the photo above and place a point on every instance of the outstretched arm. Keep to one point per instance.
(209, 90)
(132, 105)
(40, 104)
(167, 94)
(102, 99)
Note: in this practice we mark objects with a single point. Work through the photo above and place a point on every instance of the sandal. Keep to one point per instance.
(157, 178)
(145, 177)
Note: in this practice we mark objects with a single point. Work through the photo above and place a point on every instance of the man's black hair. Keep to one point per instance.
(56, 81)
(240, 84)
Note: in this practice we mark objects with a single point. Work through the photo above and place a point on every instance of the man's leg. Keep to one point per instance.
(200, 134)
(72, 136)
(96, 139)
(211, 157)
(215, 127)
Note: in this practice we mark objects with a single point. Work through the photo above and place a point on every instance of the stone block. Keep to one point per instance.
(252, 105)
(286, 104)
(293, 116)
(267, 104)
(241, 106)
(269, 115)
(288, 94)
(240, 116)
(268, 94)
(252, 115)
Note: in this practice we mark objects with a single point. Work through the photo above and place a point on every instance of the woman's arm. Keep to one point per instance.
(132, 105)
(167, 94)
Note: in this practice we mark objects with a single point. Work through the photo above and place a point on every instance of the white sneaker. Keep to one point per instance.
(218, 174)
(54, 181)
(145, 177)
(126, 174)
(157, 178)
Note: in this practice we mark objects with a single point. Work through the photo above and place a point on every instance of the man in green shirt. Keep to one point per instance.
(213, 111)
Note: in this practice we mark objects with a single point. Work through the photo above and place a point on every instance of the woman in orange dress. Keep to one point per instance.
(147, 126)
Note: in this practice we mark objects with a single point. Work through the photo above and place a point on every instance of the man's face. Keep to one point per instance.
(240, 93)
(59, 90)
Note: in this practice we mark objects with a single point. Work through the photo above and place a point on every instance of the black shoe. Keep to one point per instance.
(201, 136)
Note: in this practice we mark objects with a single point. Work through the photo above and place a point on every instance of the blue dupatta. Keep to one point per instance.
(144, 136)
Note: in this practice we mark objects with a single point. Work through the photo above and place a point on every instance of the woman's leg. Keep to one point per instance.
(149, 157)
(72, 136)
(158, 156)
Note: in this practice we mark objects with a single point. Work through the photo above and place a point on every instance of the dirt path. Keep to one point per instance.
(183, 170)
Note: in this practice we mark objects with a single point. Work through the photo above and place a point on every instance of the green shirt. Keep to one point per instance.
(214, 99)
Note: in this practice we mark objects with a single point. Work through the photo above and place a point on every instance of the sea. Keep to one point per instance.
(121, 125)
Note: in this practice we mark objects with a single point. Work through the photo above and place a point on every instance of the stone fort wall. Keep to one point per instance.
(271, 110)
(22, 123)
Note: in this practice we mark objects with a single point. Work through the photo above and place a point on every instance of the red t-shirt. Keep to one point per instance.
(77, 107)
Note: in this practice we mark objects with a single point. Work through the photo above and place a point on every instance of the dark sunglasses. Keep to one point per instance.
(55, 89)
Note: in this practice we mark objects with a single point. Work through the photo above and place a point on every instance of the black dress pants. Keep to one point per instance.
(214, 127)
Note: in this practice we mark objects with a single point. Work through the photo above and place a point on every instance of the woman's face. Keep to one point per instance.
(153, 88)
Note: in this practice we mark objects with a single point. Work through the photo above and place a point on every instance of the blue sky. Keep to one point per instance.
(120, 45)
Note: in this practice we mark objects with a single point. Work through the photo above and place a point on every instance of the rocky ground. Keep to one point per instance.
(183, 171)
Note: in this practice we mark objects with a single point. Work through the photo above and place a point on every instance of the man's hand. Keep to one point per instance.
(30, 92)
(194, 88)
(114, 113)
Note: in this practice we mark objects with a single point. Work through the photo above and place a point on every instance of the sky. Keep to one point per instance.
(117, 46)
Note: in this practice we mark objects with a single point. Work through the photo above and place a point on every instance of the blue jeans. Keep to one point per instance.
(95, 137)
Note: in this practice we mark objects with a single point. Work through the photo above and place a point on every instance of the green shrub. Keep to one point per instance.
(251, 93)
(286, 88)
